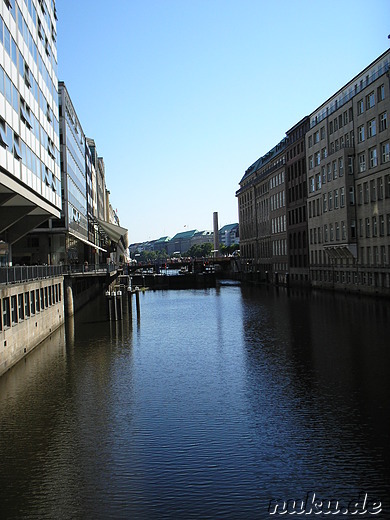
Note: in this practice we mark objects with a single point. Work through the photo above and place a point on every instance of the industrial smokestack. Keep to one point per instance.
(216, 235)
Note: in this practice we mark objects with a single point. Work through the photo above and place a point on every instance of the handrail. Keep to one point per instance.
(27, 273)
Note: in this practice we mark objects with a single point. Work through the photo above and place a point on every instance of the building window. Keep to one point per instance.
(317, 158)
(360, 194)
(373, 158)
(381, 225)
(336, 199)
(385, 152)
(318, 181)
(20, 307)
(334, 169)
(351, 196)
(370, 100)
(383, 121)
(367, 228)
(324, 203)
(311, 163)
(311, 185)
(6, 313)
(27, 304)
(350, 164)
(322, 132)
(365, 192)
(374, 227)
(32, 302)
(381, 92)
(371, 128)
(362, 162)
(343, 231)
(360, 106)
(37, 301)
(380, 188)
(14, 310)
(329, 172)
(373, 190)
(330, 201)
(341, 166)
(361, 134)
(342, 197)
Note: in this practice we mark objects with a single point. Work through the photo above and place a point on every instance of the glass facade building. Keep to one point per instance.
(30, 177)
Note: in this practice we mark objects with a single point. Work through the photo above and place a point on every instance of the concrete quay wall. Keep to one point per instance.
(29, 313)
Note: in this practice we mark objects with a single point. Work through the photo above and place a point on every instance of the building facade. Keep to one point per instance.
(337, 181)
(30, 178)
(262, 216)
(348, 184)
(296, 201)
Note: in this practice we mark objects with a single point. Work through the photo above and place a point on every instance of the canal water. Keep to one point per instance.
(211, 404)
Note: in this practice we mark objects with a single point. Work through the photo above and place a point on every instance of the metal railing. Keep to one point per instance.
(27, 273)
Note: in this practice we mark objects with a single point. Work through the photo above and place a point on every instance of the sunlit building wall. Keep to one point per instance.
(30, 178)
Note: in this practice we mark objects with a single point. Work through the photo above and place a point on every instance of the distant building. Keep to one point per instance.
(181, 242)
(202, 237)
(229, 235)
(262, 216)
(161, 244)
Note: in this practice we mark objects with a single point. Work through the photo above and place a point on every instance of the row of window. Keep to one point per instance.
(279, 247)
(16, 308)
(373, 190)
(278, 200)
(276, 180)
(12, 142)
(11, 94)
(371, 127)
(370, 158)
(374, 226)
(368, 102)
(278, 224)
(375, 279)
(21, 64)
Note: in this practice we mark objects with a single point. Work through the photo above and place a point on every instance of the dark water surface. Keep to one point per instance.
(212, 404)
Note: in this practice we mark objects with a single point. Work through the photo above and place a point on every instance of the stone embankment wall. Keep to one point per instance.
(29, 313)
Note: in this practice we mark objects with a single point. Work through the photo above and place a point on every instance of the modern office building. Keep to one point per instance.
(30, 178)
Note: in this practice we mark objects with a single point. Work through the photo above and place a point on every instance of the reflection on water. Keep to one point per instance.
(209, 405)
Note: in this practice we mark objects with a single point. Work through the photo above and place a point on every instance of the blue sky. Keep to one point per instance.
(181, 96)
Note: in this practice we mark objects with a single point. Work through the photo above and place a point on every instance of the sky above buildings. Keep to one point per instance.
(182, 96)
